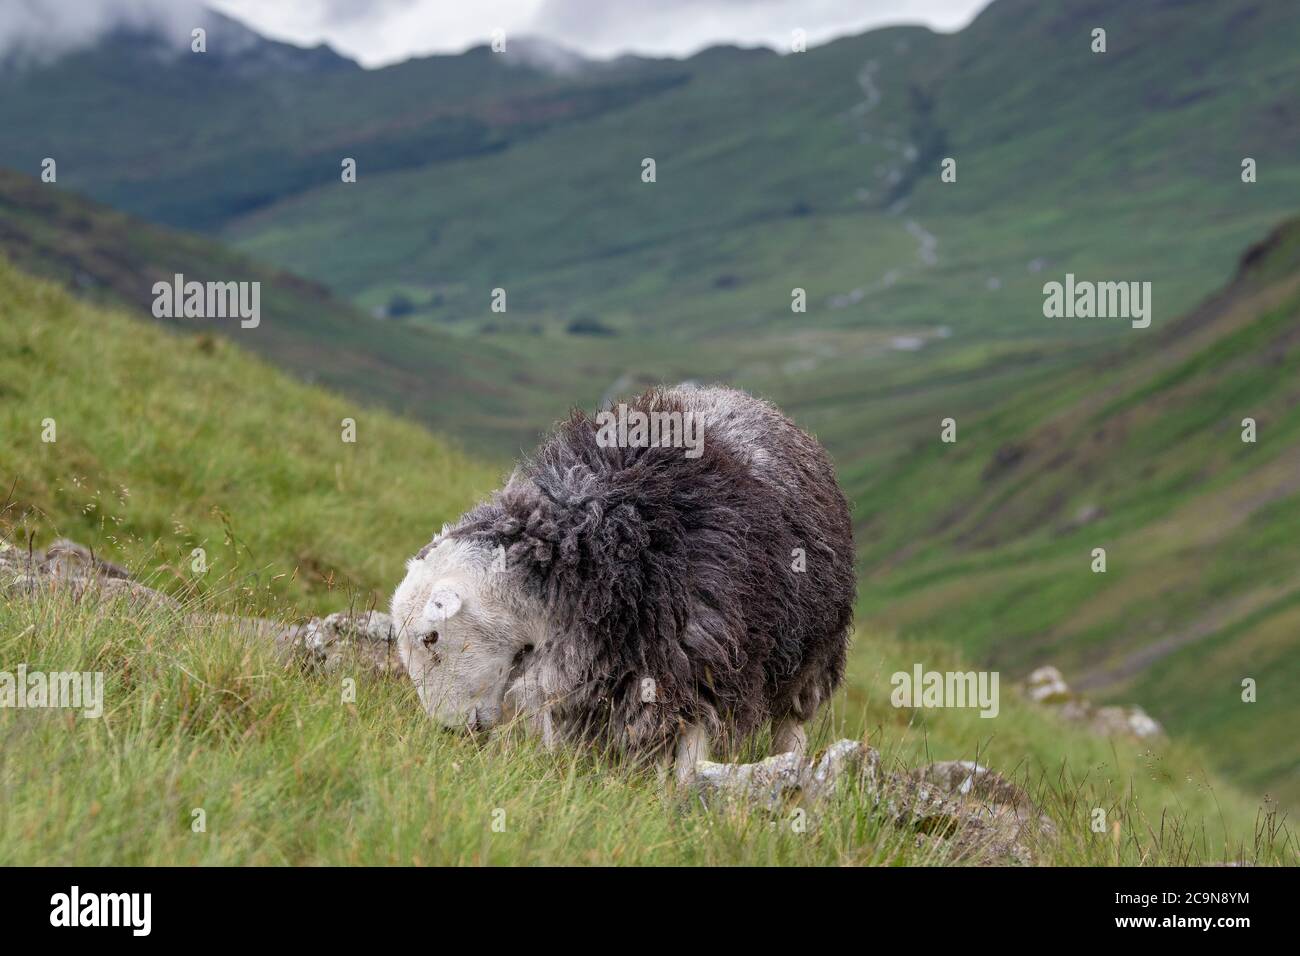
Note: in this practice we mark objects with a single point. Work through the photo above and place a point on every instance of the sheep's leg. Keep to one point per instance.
(546, 728)
(788, 736)
(692, 746)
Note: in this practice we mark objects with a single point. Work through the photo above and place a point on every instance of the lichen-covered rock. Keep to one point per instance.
(335, 641)
(980, 815)
(1046, 686)
(364, 639)
(768, 783)
(69, 566)
(966, 812)
(773, 782)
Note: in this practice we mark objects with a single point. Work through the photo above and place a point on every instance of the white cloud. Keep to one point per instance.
(377, 32)
(677, 27)
(40, 29)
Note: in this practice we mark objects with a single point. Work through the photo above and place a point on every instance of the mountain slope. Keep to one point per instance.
(989, 541)
(166, 443)
(799, 143)
(285, 773)
(193, 139)
(109, 257)
(820, 171)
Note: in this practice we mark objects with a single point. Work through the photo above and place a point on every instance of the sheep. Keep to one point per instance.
(666, 597)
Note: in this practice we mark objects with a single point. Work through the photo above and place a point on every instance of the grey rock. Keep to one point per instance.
(1046, 686)
(65, 557)
(787, 777)
(342, 638)
(966, 812)
(980, 816)
(1132, 720)
(72, 567)
(365, 639)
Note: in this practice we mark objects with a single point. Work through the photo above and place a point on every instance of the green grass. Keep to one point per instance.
(286, 771)
(471, 388)
(167, 442)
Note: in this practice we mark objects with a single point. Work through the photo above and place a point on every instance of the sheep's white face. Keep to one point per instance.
(462, 639)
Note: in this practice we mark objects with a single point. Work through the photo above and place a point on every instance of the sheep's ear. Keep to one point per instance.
(443, 603)
(424, 552)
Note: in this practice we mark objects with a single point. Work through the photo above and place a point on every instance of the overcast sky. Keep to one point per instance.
(377, 32)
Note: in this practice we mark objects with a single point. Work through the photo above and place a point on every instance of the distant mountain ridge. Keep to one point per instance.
(232, 47)
(192, 139)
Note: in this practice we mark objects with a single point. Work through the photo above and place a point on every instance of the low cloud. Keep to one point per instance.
(377, 32)
(677, 27)
(40, 30)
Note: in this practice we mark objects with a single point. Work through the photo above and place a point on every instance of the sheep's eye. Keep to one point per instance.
(429, 639)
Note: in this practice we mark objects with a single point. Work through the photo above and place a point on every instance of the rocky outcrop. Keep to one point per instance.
(339, 640)
(779, 780)
(961, 811)
(1047, 687)
(362, 638)
(68, 565)
(968, 813)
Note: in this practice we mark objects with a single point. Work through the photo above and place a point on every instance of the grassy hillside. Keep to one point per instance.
(167, 442)
(988, 542)
(108, 257)
(286, 773)
(821, 171)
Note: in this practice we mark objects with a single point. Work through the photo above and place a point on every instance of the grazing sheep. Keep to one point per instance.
(655, 598)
